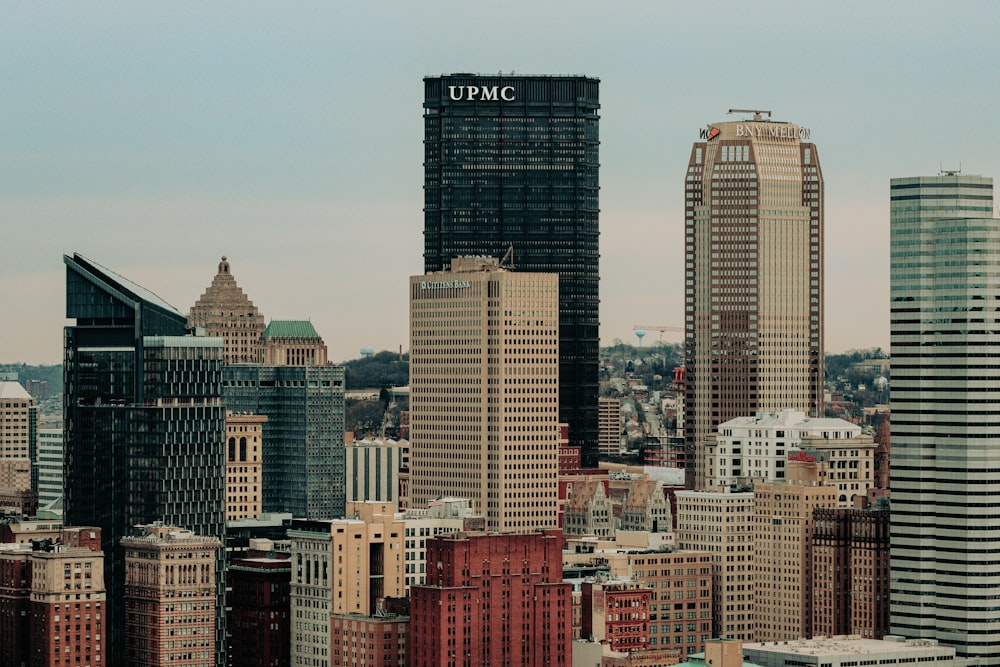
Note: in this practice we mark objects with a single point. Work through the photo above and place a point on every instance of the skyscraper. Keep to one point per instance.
(144, 424)
(226, 312)
(511, 162)
(753, 277)
(945, 532)
(483, 392)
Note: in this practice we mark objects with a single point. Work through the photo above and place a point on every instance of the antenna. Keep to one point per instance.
(756, 112)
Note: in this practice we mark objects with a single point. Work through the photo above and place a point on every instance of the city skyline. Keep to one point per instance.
(288, 139)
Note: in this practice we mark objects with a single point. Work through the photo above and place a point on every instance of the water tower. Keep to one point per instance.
(640, 333)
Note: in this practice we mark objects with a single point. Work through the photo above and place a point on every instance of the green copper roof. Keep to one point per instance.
(290, 329)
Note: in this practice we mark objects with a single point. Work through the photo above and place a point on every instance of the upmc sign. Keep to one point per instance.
(481, 93)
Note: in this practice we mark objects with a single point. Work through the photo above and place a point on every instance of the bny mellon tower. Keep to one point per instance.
(753, 277)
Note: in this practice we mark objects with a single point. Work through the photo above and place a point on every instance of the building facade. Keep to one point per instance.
(244, 453)
(303, 437)
(52, 601)
(753, 278)
(260, 620)
(944, 286)
(492, 599)
(50, 467)
(225, 312)
(19, 429)
(170, 596)
(341, 566)
(747, 450)
(609, 421)
(782, 560)
(373, 469)
(484, 393)
(511, 163)
(850, 572)
(144, 425)
(720, 524)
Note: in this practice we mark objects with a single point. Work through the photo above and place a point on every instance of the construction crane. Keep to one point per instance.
(756, 112)
(641, 329)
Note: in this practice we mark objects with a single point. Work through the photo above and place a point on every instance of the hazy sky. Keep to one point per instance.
(156, 137)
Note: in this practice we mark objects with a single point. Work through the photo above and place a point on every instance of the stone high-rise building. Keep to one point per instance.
(19, 436)
(169, 597)
(144, 425)
(484, 391)
(511, 164)
(945, 295)
(227, 313)
(720, 523)
(244, 453)
(782, 531)
(753, 278)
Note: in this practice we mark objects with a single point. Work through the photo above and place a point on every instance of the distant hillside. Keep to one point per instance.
(380, 371)
(50, 374)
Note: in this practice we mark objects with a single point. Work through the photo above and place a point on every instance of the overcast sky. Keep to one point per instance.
(156, 137)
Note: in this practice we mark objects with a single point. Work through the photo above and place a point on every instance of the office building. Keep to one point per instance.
(225, 312)
(244, 452)
(720, 524)
(849, 652)
(52, 601)
(369, 640)
(170, 594)
(748, 450)
(302, 397)
(782, 531)
(610, 425)
(50, 468)
(616, 612)
(484, 392)
(260, 600)
(18, 439)
(373, 469)
(945, 282)
(492, 599)
(753, 278)
(341, 566)
(144, 425)
(511, 164)
(850, 572)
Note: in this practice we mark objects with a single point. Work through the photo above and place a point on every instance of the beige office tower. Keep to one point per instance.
(719, 522)
(484, 383)
(609, 425)
(226, 312)
(782, 558)
(753, 277)
(169, 597)
(244, 461)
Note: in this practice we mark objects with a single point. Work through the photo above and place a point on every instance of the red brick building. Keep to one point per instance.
(374, 641)
(492, 599)
(52, 599)
(850, 566)
(616, 613)
(259, 620)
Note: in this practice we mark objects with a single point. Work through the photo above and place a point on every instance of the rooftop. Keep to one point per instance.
(290, 329)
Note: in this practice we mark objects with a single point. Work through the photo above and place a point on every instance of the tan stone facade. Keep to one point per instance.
(609, 425)
(244, 447)
(226, 312)
(170, 597)
(292, 343)
(484, 383)
(720, 523)
(783, 529)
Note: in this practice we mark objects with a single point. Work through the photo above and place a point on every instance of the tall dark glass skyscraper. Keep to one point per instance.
(511, 162)
(144, 426)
